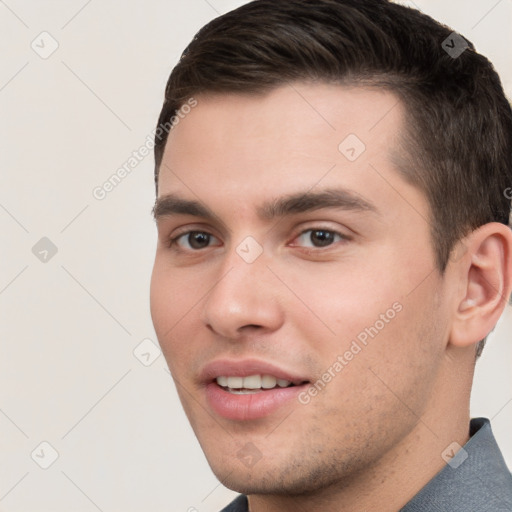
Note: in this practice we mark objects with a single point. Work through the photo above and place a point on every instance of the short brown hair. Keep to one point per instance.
(458, 146)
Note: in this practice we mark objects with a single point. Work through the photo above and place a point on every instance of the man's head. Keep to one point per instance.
(343, 174)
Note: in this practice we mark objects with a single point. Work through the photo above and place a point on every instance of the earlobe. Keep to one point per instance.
(486, 273)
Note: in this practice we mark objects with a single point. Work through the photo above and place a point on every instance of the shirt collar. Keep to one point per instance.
(476, 478)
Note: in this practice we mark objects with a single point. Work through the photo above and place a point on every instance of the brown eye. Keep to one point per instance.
(319, 237)
(193, 240)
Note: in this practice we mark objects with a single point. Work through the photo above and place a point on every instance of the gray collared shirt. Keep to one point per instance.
(476, 479)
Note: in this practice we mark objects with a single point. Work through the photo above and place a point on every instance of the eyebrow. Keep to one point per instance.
(292, 204)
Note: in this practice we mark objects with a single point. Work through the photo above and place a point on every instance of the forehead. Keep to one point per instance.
(298, 137)
(315, 117)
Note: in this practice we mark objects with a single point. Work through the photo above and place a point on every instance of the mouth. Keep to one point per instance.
(253, 383)
(250, 389)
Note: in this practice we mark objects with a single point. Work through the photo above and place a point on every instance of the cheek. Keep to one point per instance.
(373, 316)
(371, 383)
(171, 302)
(159, 296)
(340, 303)
(173, 294)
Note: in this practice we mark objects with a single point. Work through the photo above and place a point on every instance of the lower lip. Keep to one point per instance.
(250, 406)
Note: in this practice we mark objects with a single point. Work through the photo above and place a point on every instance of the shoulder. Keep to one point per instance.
(238, 505)
(477, 478)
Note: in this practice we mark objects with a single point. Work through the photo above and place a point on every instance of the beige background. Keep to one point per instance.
(69, 326)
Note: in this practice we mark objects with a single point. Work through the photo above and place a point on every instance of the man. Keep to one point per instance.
(333, 251)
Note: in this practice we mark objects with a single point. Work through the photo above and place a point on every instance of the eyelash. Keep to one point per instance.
(173, 242)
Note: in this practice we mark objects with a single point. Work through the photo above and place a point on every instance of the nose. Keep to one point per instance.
(244, 297)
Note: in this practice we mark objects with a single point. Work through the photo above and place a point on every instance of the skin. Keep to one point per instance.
(373, 437)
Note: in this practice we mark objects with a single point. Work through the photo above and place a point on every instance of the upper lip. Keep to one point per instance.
(246, 367)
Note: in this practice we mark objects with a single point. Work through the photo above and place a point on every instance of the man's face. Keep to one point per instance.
(343, 301)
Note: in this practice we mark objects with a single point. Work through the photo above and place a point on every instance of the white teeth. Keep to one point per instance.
(268, 382)
(235, 382)
(222, 381)
(252, 382)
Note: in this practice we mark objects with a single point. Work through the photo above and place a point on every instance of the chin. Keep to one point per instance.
(280, 477)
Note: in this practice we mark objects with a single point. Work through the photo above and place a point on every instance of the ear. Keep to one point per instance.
(485, 275)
